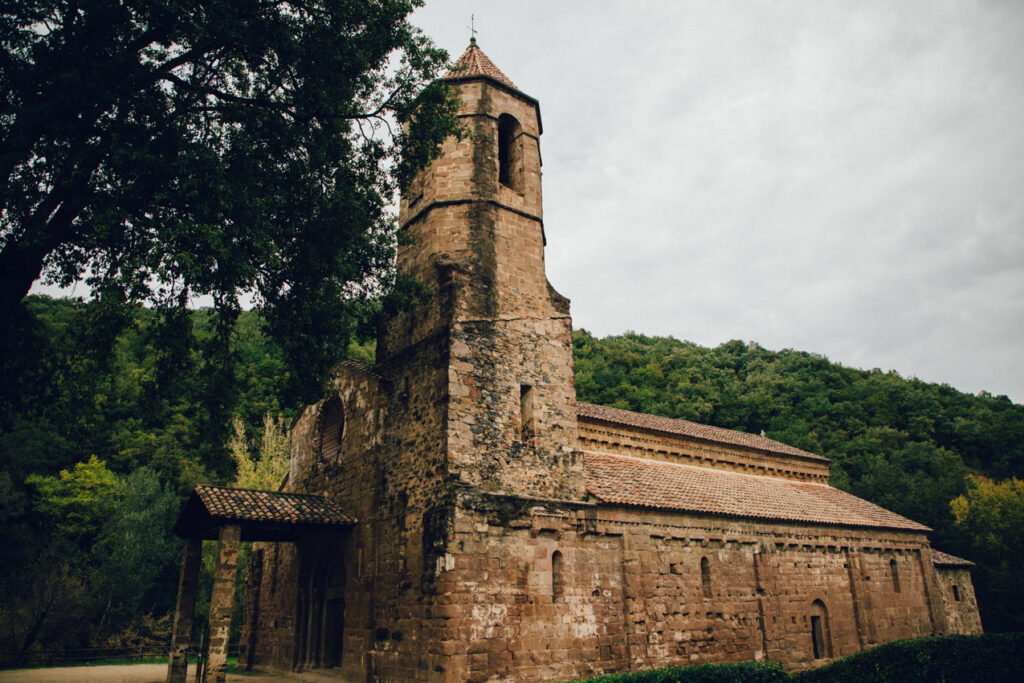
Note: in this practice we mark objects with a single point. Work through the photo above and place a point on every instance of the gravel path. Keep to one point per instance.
(119, 673)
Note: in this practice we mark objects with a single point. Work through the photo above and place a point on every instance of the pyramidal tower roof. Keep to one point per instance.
(474, 63)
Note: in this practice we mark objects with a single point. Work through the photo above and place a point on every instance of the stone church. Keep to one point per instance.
(452, 513)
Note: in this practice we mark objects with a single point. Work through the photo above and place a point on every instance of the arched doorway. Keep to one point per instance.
(821, 634)
(320, 612)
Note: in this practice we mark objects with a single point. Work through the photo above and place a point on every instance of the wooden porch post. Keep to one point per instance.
(221, 600)
(184, 611)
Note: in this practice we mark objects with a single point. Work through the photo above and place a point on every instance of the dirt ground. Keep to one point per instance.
(135, 673)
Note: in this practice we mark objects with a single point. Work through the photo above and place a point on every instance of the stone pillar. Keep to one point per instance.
(862, 613)
(759, 590)
(932, 592)
(251, 623)
(221, 600)
(184, 611)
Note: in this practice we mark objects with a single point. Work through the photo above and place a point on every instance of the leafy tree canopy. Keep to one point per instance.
(174, 149)
(991, 516)
(78, 500)
(267, 468)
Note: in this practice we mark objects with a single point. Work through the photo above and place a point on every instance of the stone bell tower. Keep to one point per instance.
(502, 381)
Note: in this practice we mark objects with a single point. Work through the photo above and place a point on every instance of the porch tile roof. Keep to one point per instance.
(244, 505)
(262, 515)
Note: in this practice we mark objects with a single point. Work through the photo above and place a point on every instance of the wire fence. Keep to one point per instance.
(97, 655)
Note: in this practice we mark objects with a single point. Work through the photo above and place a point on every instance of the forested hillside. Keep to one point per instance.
(99, 446)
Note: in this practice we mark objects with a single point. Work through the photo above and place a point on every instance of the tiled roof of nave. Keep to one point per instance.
(625, 480)
(694, 430)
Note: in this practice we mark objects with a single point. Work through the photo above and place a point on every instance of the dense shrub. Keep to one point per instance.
(739, 672)
(990, 658)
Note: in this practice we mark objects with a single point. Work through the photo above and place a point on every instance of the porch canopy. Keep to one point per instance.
(230, 516)
(260, 515)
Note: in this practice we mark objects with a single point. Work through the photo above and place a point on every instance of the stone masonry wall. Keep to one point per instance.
(479, 245)
(631, 593)
(456, 175)
(348, 476)
(961, 606)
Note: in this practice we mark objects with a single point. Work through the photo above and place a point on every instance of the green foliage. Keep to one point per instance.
(801, 399)
(267, 470)
(136, 552)
(109, 560)
(80, 500)
(990, 658)
(740, 672)
(991, 516)
(227, 149)
(95, 557)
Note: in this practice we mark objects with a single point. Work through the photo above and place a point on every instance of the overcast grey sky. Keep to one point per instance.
(845, 178)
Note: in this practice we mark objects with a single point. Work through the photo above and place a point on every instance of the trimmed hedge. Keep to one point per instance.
(989, 658)
(740, 672)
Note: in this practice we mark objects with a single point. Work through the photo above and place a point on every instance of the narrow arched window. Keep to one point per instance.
(894, 570)
(332, 429)
(705, 576)
(821, 637)
(509, 154)
(956, 593)
(525, 412)
(557, 580)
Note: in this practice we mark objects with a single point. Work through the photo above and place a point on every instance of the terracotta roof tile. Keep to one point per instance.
(361, 366)
(474, 62)
(691, 429)
(625, 480)
(243, 505)
(941, 559)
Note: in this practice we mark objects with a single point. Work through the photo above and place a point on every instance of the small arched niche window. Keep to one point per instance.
(956, 593)
(705, 576)
(894, 570)
(526, 418)
(557, 579)
(510, 161)
(821, 638)
(332, 429)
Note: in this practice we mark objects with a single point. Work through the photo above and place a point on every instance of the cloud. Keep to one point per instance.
(842, 178)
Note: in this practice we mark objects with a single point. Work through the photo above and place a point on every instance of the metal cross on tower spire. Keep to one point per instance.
(472, 28)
